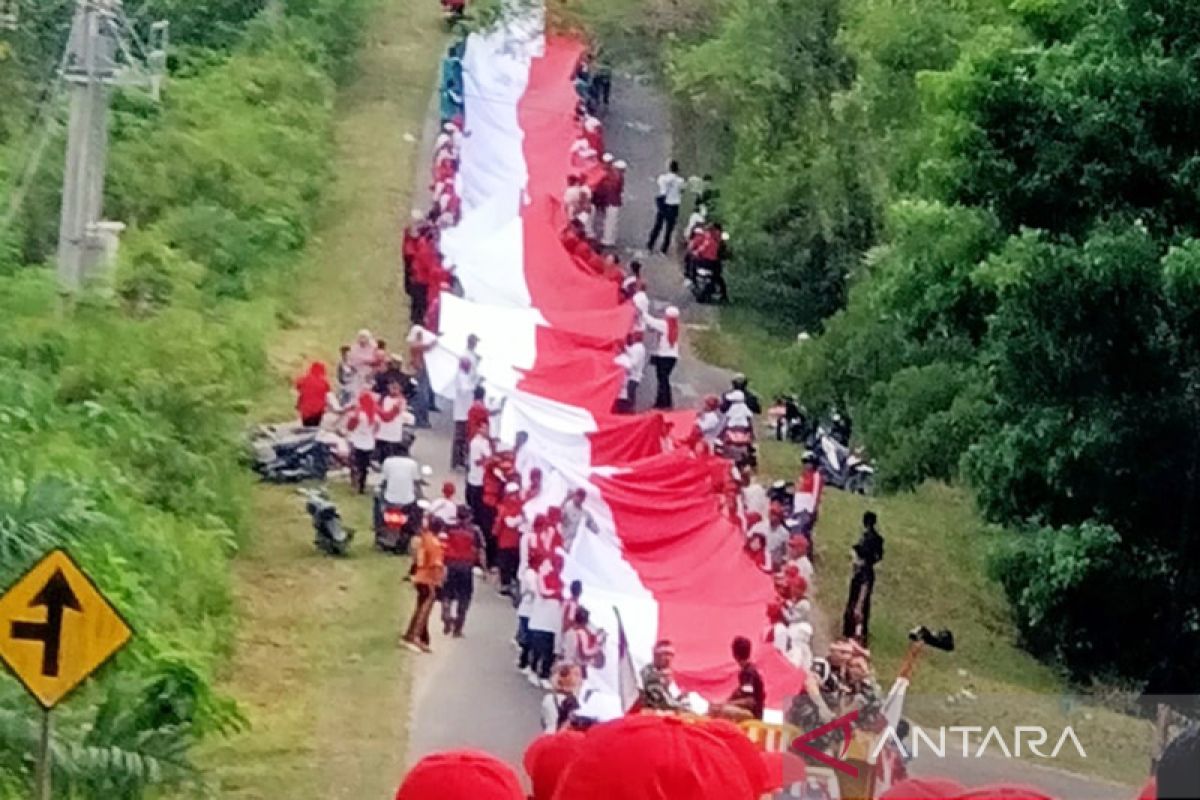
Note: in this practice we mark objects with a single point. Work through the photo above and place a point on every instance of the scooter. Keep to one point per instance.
(842, 467)
(331, 537)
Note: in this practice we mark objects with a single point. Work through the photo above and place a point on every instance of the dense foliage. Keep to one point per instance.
(120, 422)
(1001, 199)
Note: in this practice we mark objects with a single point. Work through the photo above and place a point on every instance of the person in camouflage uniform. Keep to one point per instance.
(837, 685)
(659, 692)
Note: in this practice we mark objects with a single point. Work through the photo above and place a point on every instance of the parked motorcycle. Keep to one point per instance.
(331, 537)
(789, 420)
(842, 467)
(289, 453)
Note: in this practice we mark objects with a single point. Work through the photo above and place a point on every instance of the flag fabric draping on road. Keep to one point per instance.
(549, 330)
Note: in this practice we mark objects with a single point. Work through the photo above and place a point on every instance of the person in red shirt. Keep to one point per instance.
(464, 550)
(809, 487)
(478, 414)
(508, 536)
(312, 392)
(409, 245)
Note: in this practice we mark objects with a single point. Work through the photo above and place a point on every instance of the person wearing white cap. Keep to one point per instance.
(607, 200)
(666, 353)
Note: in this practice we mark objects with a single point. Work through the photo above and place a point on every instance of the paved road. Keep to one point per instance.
(468, 693)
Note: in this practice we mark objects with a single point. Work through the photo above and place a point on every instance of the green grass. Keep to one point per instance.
(935, 574)
(316, 667)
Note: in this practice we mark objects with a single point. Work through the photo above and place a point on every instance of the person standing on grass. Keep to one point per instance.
(363, 425)
(345, 376)
(312, 393)
(667, 201)
(465, 550)
(362, 359)
(429, 573)
(666, 354)
(809, 488)
(420, 342)
(868, 551)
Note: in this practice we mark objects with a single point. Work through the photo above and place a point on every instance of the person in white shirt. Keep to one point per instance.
(464, 395)
(666, 354)
(393, 414)
(400, 475)
(444, 507)
(738, 414)
(667, 201)
(635, 349)
(362, 424)
(641, 304)
(709, 421)
(478, 453)
(575, 515)
(622, 405)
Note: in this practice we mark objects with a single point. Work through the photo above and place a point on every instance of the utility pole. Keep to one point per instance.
(99, 33)
(89, 72)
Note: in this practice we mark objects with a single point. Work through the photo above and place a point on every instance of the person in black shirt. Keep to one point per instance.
(750, 695)
(868, 552)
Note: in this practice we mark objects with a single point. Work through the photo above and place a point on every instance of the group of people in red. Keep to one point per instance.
(650, 757)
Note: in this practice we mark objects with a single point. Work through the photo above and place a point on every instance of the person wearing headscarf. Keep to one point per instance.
(666, 353)
(362, 358)
(709, 420)
(312, 393)
(460, 775)
(393, 413)
(362, 425)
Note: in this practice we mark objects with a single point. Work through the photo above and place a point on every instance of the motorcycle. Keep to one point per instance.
(788, 420)
(703, 283)
(737, 445)
(396, 525)
(331, 537)
(290, 454)
(842, 467)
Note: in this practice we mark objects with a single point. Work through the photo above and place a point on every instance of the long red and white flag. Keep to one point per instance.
(664, 558)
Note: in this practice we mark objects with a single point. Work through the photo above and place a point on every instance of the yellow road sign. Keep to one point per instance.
(56, 628)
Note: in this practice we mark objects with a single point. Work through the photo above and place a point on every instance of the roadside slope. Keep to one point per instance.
(315, 666)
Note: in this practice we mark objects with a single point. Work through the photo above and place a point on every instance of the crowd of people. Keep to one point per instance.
(506, 528)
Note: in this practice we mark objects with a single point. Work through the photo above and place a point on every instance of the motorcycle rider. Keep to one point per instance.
(740, 383)
(398, 488)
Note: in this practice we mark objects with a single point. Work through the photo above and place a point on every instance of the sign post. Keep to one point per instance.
(56, 629)
(45, 758)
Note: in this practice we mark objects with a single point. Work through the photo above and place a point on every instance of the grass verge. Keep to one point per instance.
(315, 666)
(934, 574)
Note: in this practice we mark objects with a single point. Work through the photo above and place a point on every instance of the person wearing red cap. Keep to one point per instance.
(548, 758)
(650, 757)
(666, 354)
(460, 775)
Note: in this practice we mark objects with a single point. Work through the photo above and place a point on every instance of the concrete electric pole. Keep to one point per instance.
(89, 72)
(98, 33)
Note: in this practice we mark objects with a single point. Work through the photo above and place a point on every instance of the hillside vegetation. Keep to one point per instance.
(120, 420)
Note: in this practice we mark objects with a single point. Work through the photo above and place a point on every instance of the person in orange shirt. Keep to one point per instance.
(428, 575)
